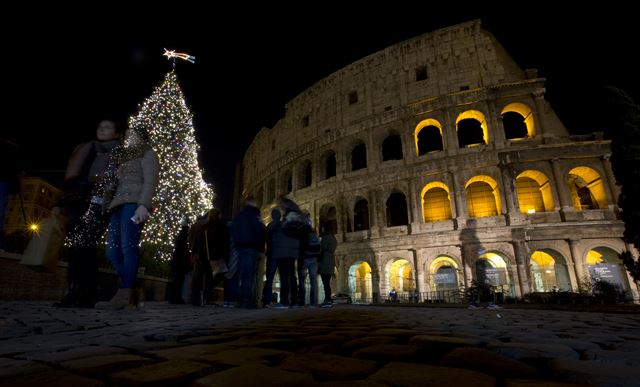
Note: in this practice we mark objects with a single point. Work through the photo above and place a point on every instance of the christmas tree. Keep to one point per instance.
(182, 193)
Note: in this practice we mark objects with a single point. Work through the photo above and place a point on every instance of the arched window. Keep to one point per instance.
(587, 189)
(534, 192)
(472, 129)
(305, 175)
(330, 165)
(436, 204)
(361, 215)
(397, 214)
(517, 119)
(483, 197)
(392, 148)
(359, 157)
(428, 137)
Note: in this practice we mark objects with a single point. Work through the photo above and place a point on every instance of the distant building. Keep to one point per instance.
(38, 197)
(438, 161)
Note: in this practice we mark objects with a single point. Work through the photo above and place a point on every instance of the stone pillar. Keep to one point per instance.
(538, 95)
(460, 201)
(578, 262)
(495, 131)
(561, 186)
(374, 209)
(412, 206)
(467, 264)
(418, 274)
(513, 214)
(522, 262)
(450, 134)
(378, 283)
(613, 191)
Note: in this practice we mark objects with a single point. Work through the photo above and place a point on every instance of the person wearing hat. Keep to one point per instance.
(128, 199)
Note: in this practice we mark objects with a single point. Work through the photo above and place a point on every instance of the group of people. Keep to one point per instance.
(108, 186)
(290, 244)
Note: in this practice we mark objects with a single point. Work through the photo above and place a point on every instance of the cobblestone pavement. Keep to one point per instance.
(348, 345)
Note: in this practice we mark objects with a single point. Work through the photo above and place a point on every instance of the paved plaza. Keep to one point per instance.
(348, 345)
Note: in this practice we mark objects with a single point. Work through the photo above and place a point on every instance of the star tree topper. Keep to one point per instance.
(180, 55)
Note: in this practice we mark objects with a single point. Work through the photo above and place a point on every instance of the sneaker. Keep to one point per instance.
(493, 306)
(326, 305)
(280, 306)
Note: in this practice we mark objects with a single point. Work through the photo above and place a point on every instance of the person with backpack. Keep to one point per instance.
(308, 262)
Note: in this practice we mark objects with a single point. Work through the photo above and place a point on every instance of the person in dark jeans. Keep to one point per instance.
(180, 265)
(327, 263)
(88, 169)
(248, 234)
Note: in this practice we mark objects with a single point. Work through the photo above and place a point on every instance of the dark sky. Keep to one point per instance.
(66, 69)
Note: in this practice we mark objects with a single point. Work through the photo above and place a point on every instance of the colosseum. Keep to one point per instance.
(437, 162)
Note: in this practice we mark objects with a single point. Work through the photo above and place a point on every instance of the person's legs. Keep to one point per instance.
(95, 224)
(326, 283)
(247, 265)
(285, 284)
(312, 266)
(302, 276)
(272, 266)
(130, 235)
(114, 241)
(293, 281)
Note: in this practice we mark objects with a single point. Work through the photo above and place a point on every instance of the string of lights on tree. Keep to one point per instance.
(182, 193)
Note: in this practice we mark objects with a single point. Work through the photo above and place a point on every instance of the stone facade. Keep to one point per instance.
(412, 156)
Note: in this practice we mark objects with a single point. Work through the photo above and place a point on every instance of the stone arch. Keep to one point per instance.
(361, 214)
(428, 136)
(305, 174)
(493, 267)
(604, 264)
(328, 218)
(436, 202)
(549, 271)
(518, 121)
(586, 188)
(286, 184)
(399, 274)
(360, 281)
(391, 147)
(471, 127)
(483, 196)
(358, 155)
(396, 209)
(444, 274)
(328, 164)
(534, 192)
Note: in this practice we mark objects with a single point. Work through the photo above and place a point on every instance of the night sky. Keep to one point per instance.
(65, 70)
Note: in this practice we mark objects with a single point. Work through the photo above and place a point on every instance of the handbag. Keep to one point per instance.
(43, 249)
(218, 266)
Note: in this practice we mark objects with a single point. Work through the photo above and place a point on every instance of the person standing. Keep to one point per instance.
(128, 199)
(180, 265)
(327, 263)
(81, 205)
(248, 234)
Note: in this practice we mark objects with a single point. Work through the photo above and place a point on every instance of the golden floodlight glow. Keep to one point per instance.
(34, 227)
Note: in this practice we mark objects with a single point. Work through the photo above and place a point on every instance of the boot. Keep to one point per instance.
(136, 301)
(120, 301)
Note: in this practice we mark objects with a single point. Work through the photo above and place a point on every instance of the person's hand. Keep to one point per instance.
(141, 215)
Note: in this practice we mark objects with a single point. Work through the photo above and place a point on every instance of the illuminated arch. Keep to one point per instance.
(534, 192)
(587, 189)
(601, 257)
(436, 202)
(399, 273)
(526, 113)
(360, 284)
(423, 124)
(543, 272)
(444, 273)
(483, 197)
(478, 116)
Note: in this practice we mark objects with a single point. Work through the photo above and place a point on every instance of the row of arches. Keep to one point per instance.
(548, 272)
(532, 187)
(471, 127)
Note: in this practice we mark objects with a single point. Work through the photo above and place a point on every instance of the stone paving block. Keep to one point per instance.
(407, 374)
(350, 333)
(631, 359)
(394, 332)
(350, 383)
(166, 373)
(105, 364)
(540, 383)
(53, 379)
(386, 352)
(597, 373)
(329, 367)
(73, 353)
(481, 360)
(575, 344)
(254, 375)
(354, 344)
(193, 352)
(247, 355)
(10, 368)
(531, 350)
(324, 339)
(208, 339)
(268, 342)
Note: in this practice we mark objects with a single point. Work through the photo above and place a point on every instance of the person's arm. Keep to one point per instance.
(151, 177)
(77, 158)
